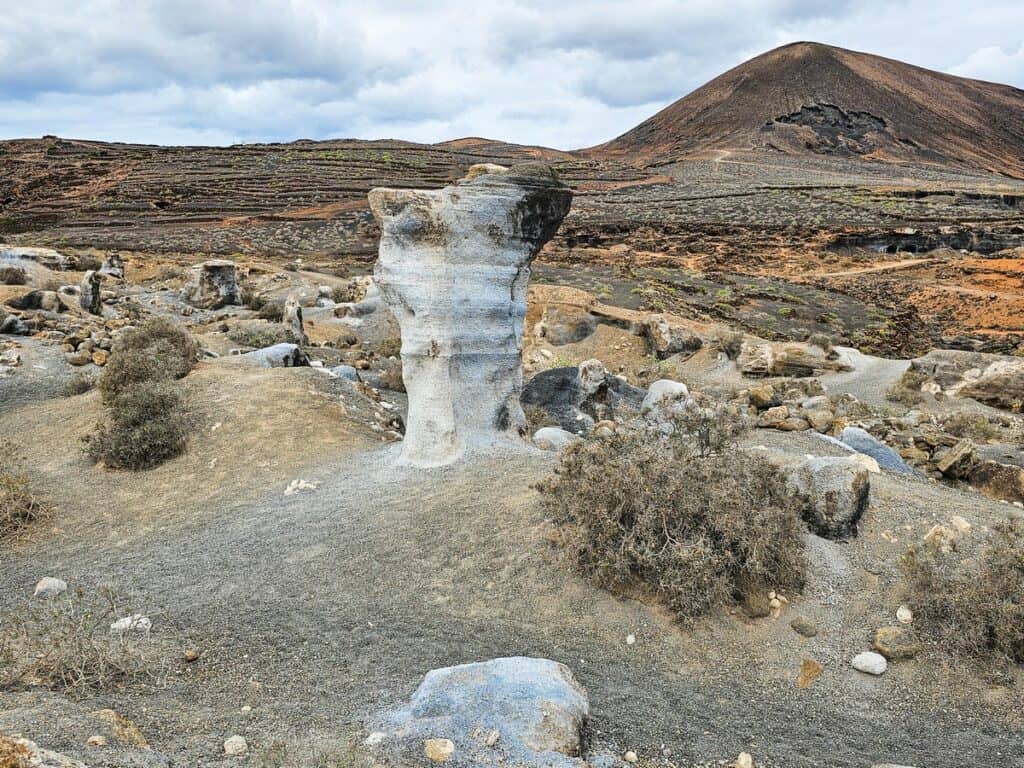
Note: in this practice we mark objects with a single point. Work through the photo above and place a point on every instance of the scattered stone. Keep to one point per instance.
(113, 266)
(346, 372)
(298, 485)
(23, 753)
(896, 643)
(810, 670)
(561, 325)
(50, 587)
(942, 538)
(282, 355)
(552, 438)
(763, 396)
(667, 338)
(576, 398)
(630, 757)
(191, 654)
(804, 626)
(956, 461)
(744, 760)
(136, 623)
(835, 491)
(96, 741)
(454, 269)
(439, 750)
(904, 615)
(870, 663)
(663, 396)
(236, 745)
(536, 704)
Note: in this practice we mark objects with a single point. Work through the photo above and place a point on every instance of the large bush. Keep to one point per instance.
(971, 607)
(689, 515)
(156, 349)
(147, 422)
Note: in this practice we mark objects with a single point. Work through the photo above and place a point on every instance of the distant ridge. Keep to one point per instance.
(814, 98)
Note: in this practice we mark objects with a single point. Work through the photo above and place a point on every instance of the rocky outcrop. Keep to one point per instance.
(113, 266)
(835, 493)
(277, 356)
(454, 267)
(576, 398)
(89, 293)
(512, 711)
(787, 359)
(667, 338)
(292, 319)
(212, 285)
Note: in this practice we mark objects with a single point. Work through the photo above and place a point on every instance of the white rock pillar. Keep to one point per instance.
(454, 266)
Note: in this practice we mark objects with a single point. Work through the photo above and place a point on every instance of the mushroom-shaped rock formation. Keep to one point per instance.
(454, 267)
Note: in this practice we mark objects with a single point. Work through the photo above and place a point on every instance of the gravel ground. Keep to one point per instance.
(318, 609)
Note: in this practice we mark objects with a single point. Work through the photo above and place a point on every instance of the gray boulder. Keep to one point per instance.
(13, 325)
(834, 494)
(565, 325)
(861, 441)
(667, 338)
(510, 711)
(278, 356)
(576, 398)
(345, 372)
(212, 285)
(89, 294)
(552, 438)
(113, 266)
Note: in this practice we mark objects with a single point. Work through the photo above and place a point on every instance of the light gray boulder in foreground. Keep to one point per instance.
(454, 267)
(510, 711)
(552, 438)
(835, 491)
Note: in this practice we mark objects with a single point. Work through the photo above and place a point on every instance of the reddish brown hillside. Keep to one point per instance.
(807, 97)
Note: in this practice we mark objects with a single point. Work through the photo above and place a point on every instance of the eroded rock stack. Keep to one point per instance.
(454, 267)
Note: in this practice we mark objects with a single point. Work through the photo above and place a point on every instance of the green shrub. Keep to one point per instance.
(971, 608)
(688, 516)
(146, 424)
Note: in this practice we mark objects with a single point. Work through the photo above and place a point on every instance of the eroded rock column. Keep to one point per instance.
(454, 267)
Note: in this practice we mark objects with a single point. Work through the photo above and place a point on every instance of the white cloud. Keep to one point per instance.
(558, 73)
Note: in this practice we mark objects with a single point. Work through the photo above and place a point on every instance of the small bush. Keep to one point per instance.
(907, 390)
(537, 417)
(821, 341)
(146, 425)
(262, 336)
(156, 349)
(65, 643)
(19, 506)
(689, 515)
(271, 311)
(80, 383)
(971, 425)
(730, 343)
(971, 609)
(12, 276)
(390, 347)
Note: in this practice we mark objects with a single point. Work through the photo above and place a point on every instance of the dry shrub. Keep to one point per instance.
(80, 383)
(65, 643)
(971, 608)
(262, 336)
(688, 515)
(272, 311)
(147, 424)
(974, 426)
(390, 347)
(537, 417)
(157, 349)
(731, 343)
(907, 390)
(19, 506)
(13, 276)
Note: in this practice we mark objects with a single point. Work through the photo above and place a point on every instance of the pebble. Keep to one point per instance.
(870, 663)
(236, 745)
(493, 737)
(744, 760)
(134, 623)
(192, 654)
(630, 639)
(804, 626)
(50, 587)
(630, 757)
(439, 750)
(904, 615)
(96, 741)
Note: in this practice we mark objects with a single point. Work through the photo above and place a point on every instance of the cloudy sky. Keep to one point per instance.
(561, 74)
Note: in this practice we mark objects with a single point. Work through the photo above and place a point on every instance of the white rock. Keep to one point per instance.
(630, 757)
(236, 745)
(904, 615)
(454, 269)
(744, 760)
(870, 662)
(552, 438)
(664, 393)
(136, 623)
(50, 587)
